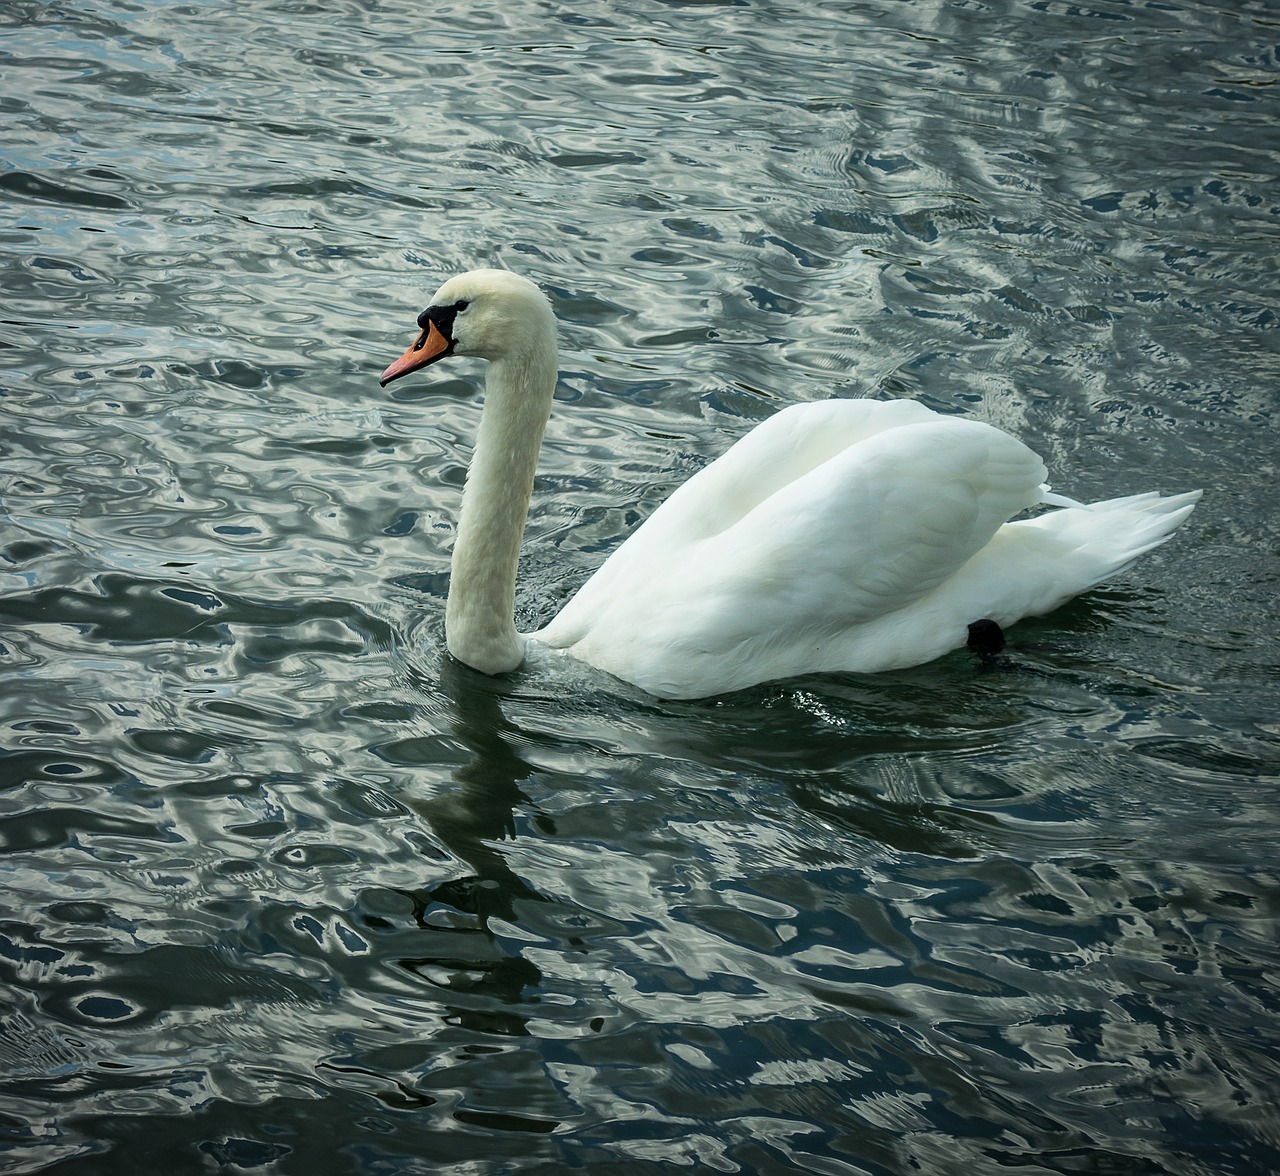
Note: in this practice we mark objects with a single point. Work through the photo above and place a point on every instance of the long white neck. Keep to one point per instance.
(480, 616)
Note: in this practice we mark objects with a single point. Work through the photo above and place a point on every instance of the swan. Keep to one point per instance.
(841, 535)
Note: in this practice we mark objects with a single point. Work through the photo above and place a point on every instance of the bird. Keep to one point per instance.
(837, 536)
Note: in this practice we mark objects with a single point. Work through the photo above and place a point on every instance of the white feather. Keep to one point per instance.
(847, 535)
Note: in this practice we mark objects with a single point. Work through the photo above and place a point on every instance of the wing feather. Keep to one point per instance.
(824, 518)
(877, 526)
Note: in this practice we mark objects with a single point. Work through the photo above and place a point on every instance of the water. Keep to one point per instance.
(285, 891)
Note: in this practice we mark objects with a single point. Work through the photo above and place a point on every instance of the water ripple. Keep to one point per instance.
(287, 888)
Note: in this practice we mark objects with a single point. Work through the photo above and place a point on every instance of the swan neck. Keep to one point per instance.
(480, 616)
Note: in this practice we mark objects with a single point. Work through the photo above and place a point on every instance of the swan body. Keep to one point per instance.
(844, 535)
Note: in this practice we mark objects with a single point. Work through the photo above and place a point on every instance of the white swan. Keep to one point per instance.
(851, 535)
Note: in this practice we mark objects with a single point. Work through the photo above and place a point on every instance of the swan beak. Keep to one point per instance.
(430, 346)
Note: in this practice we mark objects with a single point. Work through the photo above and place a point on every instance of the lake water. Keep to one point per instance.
(286, 891)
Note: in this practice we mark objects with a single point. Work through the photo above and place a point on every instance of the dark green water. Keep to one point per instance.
(286, 892)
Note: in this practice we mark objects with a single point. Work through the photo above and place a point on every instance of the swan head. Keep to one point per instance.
(489, 313)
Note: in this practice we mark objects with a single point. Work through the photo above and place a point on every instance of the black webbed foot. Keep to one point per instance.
(986, 639)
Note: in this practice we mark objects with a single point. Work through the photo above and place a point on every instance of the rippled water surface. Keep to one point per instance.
(287, 891)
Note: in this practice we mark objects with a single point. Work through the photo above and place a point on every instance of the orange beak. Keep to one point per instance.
(430, 346)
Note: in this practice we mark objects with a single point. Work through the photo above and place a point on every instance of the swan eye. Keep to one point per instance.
(443, 317)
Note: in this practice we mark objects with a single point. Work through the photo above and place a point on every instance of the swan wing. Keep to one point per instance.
(795, 538)
(777, 453)
(866, 534)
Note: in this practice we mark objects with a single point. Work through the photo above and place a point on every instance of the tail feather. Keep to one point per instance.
(1112, 534)
(1029, 568)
